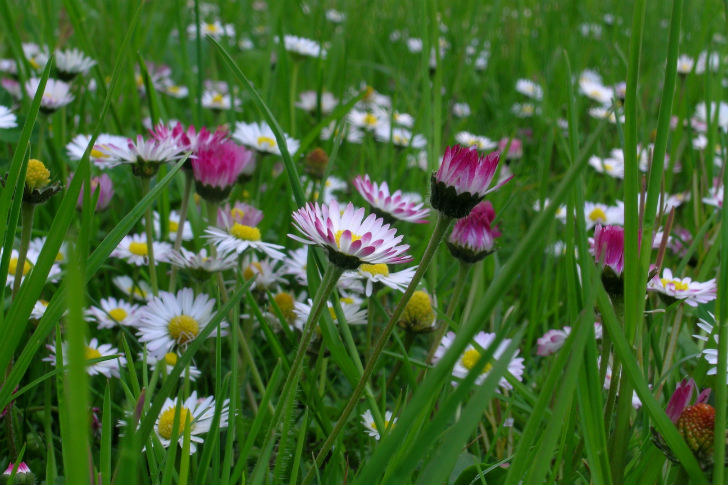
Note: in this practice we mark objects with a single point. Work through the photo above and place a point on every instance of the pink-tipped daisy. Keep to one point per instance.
(462, 180)
(238, 238)
(473, 236)
(349, 238)
(239, 213)
(216, 167)
(608, 247)
(685, 289)
(145, 156)
(57, 94)
(390, 206)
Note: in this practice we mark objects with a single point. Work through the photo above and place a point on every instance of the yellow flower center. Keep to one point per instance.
(418, 311)
(471, 357)
(98, 154)
(173, 89)
(37, 176)
(338, 234)
(173, 226)
(368, 92)
(183, 328)
(212, 28)
(170, 358)
(375, 269)
(91, 353)
(252, 270)
(608, 167)
(597, 214)
(33, 63)
(13, 266)
(285, 303)
(138, 248)
(370, 119)
(402, 140)
(266, 140)
(677, 284)
(387, 425)
(217, 98)
(237, 214)
(246, 233)
(118, 314)
(166, 422)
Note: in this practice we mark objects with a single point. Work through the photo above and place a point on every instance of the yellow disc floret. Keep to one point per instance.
(597, 214)
(375, 269)
(418, 315)
(677, 284)
(91, 353)
(118, 314)
(183, 328)
(246, 233)
(252, 270)
(166, 422)
(471, 357)
(13, 266)
(37, 176)
(138, 248)
(286, 303)
(338, 234)
(266, 140)
(170, 358)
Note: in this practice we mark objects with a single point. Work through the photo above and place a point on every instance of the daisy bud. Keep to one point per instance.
(286, 304)
(315, 163)
(418, 315)
(106, 192)
(473, 238)
(515, 148)
(23, 475)
(463, 180)
(38, 186)
(608, 250)
(216, 168)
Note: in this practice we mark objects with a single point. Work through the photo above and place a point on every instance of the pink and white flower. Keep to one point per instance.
(57, 94)
(691, 292)
(349, 238)
(216, 167)
(608, 247)
(473, 235)
(395, 206)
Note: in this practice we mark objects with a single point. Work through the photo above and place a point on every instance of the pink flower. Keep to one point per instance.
(463, 180)
(515, 149)
(473, 238)
(240, 213)
(22, 468)
(216, 167)
(393, 206)
(682, 396)
(552, 341)
(188, 139)
(609, 247)
(106, 192)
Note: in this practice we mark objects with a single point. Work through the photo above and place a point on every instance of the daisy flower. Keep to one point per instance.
(296, 263)
(215, 29)
(597, 213)
(139, 290)
(685, 289)
(349, 238)
(473, 237)
(36, 246)
(373, 99)
(552, 341)
(39, 309)
(461, 110)
(308, 101)
(173, 226)
(197, 413)
(108, 368)
(472, 354)
(103, 185)
(200, 264)
(260, 137)
(217, 166)
(145, 156)
(302, 46)
(613, 167)
(418, 315)
(351, 133)
(72, 62)
(335, 16)
(30, 259)
(367, 420)
(7, 118)
(390, 206)
(525, 110)
(379, 274)
(171, 321)
(715, 196)
(529, 88)
(57, 94)
(218, 100)
(710, 355)
(596, 91)
(369, 120)
(514, 146)
(100, 153)
(399, 137)
(606, 113)
(112, 312)
(263, 271)
(608, 247)
(134, 250)
(170, 360)
(240, 213)
(354, 313)
(462, 180)
(482, 143)
(238, 238)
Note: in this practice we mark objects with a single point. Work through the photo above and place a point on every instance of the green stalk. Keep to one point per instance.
(27, 227)
(438, 233)
(454, 300)
(149, 229)
(180, 228)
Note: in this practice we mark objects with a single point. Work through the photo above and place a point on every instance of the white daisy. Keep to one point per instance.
(139, 290)
(414, 45)
(352, 134)
(108, 368)
(173, 226)
(472, 354)
(403, 119)
(218, 100)
(71, 62)
(482, 143)
(175, 90)
(461, 110)
(335, 16)
(611, 166)
(596, 91)
(36, 246)
(100, 153)
(260, 137)
(171, 321)
(691, 292)
(170, 360)
(296, 264)
(57, 94)
(354, 313)
(112, 312)
(302, 46)
(30, 259)
(134, 250)
(145, 156)
(597, 213)
(371, 426)
(197, 413)
(369, 120)
(379, 273)
(399, 137)
(201, 264)
(215, 29)
(264, 271)
(308, 101)
(7, 118)
(525, 110)
(39, 309)
(238, 238)
(529, 88)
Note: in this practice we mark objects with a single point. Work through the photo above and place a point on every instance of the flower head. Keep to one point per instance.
(93, 350)
(134, 250)
(201, 264)
(260, 137)
(112, 312)
(390, 206)
(473, 237)
(367, 420)
(72, 62)
(349, 238)
(23, 475)
(145, 156)
(57, 94)
(196, 413)
(7, 118)
(685, 289)
(105, 189)
(418, 315)
(302, 46)
(462, 180)
(379, 274)
(216, 167)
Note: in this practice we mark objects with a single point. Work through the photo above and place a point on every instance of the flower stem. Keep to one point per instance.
(454, 300)
(149, 229)
(180, 228)
(26, 229)
(438, 233)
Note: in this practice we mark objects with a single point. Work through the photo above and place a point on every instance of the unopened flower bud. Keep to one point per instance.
(316, 162)
(418, 316)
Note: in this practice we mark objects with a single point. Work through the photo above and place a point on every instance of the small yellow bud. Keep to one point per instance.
(37, 176)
